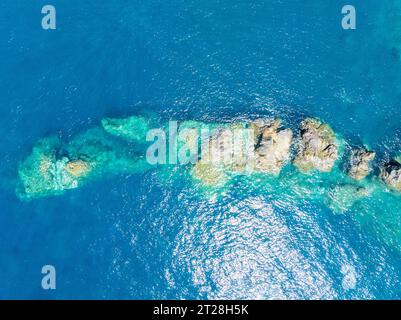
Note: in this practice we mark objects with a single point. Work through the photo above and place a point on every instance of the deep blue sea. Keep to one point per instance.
(132, 237)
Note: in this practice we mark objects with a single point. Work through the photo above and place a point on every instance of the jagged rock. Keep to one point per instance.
(260, 124)
(272, 145)
(318, 148)
(359, 163)
(391, 175)
(229, 147)
(216, 156)
(228, 150)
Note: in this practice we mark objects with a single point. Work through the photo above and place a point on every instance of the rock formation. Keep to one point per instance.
(391, 175)
(42, 173)
(272, 146)
(230, 150)
(233, 150)
(78, 168)
(53, 167)
(359, 163)
(227, 151)
(318, 148)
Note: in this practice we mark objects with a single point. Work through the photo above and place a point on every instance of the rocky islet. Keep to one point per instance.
(51, 168)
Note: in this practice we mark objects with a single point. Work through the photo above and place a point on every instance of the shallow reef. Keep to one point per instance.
(291, 168)
(131, 128)
(54, 167)
(263, 147)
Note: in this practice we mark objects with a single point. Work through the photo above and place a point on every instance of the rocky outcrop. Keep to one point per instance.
(318, 148)
(77, 168)
(42, 173)
(272, 145)
(391, 175)
(227, 151)
(53, 168)
(359, 166)
(232, 149)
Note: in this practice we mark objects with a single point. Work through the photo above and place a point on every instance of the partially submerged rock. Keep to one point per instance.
(53, 168)
(262, 146)
(359, 163)
(260, 124)
(208, 174)
(78, 168)
(343, 196)
(131, 128)
(43, 173)
(228, 150)
(391, 175)
(273, 146)
(318, 148)
(231, 149)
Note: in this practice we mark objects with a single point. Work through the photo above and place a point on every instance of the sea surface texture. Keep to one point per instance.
(155, 234)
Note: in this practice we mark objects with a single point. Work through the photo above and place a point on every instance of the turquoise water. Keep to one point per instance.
(149, 235)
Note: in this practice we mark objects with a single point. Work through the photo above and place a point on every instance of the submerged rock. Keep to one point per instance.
(318, 148)
(359, 163)
(343, 196)
(391, 174)
(53, 168)
(131, 128)
(272, 147)
(43, 173)
(209, 174)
